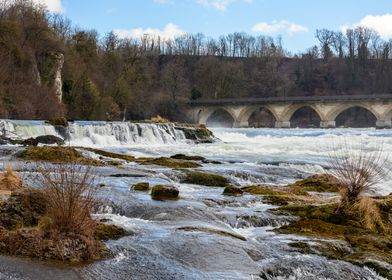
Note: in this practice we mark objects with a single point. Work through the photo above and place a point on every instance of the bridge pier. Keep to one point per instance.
(241, 124)
(327, 124)
(383, 124)
(282, 124)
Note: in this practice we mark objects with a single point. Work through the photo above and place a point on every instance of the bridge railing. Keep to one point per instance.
(293, 99)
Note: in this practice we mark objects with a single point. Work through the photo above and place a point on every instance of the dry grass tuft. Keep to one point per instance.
(370, 214)
(9, 180)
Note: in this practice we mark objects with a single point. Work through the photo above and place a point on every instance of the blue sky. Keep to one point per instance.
(295, 20)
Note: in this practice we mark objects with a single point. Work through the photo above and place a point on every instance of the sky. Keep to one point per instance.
(295, 20)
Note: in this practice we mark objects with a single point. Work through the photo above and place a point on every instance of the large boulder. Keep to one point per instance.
(161, 192)
(43, 139)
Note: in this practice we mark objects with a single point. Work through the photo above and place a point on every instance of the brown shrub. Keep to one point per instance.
(69, 190)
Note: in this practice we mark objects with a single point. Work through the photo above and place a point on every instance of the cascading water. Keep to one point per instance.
(101, 134)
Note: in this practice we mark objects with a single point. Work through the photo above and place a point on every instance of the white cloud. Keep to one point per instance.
(52, 5)
(220, 5)
(382, 24)
(282, 26)
(170, 31)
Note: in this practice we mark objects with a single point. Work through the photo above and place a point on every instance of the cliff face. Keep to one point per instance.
(57, 84)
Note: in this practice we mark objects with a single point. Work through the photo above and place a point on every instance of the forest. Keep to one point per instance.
(104, 77)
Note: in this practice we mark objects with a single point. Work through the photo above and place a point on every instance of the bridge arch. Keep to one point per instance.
(356, 116)
(247, 112)
(214, 115)
(305, 117)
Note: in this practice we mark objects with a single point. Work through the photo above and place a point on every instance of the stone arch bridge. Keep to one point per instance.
(327, 108)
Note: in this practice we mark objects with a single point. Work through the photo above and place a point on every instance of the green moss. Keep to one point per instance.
(277, 195)
(303, 247)
(318, 183)
(232, 191)
(109, 232)
(56, 155)
(110, 154)
(58, 122)
(144, 186)
(204, 179)
(185, 157)
(169, 162)
(114, 163)
(314, 227)
(161, 192)
(214, 231)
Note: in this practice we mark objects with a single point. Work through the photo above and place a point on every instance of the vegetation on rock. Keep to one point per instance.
(185, 157)
(279, 195)
(232, 191)
(169, 162)
(108, 232)
(318, 183)
(204, 179)
(367, 246)
(161, 192)
(56, 155)
(58, 122)
(143, 186)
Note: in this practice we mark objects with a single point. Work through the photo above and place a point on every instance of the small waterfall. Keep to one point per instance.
(101, 134)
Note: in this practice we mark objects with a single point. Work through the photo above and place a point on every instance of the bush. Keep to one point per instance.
(358, 172)
(69, 191)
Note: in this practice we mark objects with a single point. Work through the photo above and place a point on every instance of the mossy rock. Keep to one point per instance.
(318, 183)
(278, 195)
(110, 154)
(232, 191)
(56, 155)
(314, 227)
(205, 179)
(143, 186)
(161, 192)
(109, 232)
(185, 157)
(58, 122)
(23, 209)
(170, 162)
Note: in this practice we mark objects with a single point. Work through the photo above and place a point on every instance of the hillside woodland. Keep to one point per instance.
(104, 77)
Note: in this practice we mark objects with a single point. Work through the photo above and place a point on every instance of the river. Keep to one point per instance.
(178, 239)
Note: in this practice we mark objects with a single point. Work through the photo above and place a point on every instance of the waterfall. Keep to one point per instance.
(101, 134)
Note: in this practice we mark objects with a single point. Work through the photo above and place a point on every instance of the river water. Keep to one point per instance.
(183, 239)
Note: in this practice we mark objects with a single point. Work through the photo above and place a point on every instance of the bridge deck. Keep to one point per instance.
(291, 99)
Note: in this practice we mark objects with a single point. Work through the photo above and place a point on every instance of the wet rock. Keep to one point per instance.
(109, 232)
(204, 179)
(58, 122)
(199, 134)
(185, 157)
(161, 192)
(143, 186)
(232, 191)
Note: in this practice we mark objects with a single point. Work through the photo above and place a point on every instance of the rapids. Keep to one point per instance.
(204, 235)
